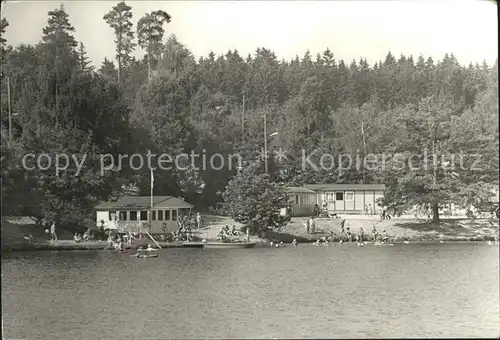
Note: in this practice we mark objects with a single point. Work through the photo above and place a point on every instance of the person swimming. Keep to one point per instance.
(294, 242)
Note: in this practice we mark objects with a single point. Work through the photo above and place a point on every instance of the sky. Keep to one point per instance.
(351, 29)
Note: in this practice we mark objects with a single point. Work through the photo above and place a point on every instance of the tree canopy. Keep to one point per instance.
(170, 102)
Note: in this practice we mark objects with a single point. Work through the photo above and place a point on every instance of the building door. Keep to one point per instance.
(339, 200)
(330, 200)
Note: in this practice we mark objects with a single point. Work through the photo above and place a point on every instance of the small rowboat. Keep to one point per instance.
(230, 245)
(146, 255)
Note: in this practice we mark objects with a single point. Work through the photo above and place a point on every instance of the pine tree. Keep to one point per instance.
(60, 51)
(4, 49)
(150, 34)
(59, 30)
(120, 19)
(108, 69)
(84, 61)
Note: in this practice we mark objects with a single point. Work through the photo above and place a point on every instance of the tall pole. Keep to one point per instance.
(265, 141)
(151, 209)
(243, 114)
(10, 111)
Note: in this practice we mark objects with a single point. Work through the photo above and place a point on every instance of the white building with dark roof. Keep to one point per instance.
(132, 213)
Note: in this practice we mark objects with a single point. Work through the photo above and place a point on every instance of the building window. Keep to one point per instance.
(160, 215)
(167, 215)
(153, 217)
(122, 215)
(185, 211)
(349, 195)
(296, 199)
(144, 215)
(339, 196)
(174, 215)
(329, 196)
(133, 215)
(112, 215)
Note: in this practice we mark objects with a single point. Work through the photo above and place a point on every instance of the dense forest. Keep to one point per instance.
(170, 102)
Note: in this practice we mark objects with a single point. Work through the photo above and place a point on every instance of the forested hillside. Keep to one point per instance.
(171, 102)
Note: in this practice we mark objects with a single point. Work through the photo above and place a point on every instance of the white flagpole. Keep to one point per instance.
(151, 210)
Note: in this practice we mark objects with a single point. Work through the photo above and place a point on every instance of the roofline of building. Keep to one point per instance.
(300, 190)
(345, 187)
(158, 205)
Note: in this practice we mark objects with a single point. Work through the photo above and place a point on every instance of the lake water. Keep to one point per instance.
(409, 290)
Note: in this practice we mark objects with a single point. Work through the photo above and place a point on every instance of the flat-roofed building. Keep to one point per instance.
(336, 198)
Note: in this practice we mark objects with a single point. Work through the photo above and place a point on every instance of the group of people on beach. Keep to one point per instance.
(323, 212)
(186, 224)
(385, 215)
(227, 234)
(87, 236)
(346, 234)
(114, 239)
(120, 241)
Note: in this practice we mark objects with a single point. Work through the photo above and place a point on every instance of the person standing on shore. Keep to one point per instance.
(317, 210)
(198, 220)
(53, 235)
(361, 235)
(342, 224)
(374, 234)
(312, 224)
(248, 234)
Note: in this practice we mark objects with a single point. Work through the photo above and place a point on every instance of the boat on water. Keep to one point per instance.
(145, 255)
(230, 245)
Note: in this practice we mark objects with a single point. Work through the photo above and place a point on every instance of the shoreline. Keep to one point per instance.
(402, 230)
(98, 246)
(65, 245)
